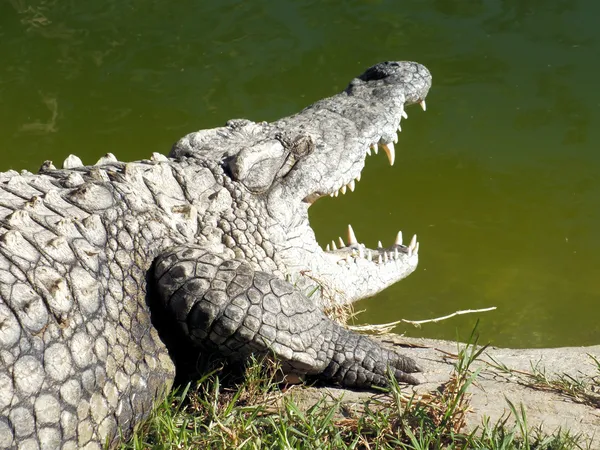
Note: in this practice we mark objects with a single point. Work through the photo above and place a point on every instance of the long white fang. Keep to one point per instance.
(390, 152)
(341, 241)
(332, 194)
(375, 148)
(368, 152)
(395, 138)
(379, 244)
(327, 249)
(396, 254)
(398, 240)
(423, 105)
(413, 242)
(351, 185)
(351, 236)
(343, 189)
(358, 178)
(336, 193)
(404, 115)
(416, 249)
(333, 246)
(369, 255)
(385, 257)
(379, 259)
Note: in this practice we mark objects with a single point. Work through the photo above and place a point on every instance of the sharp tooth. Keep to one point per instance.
(351, 185)
(395, 138)
(390, 152)
(404, 115)
(343, 189)
(398, 240)
(416, 251)
(358, 178)
(327, 249)
(413, 242)
(332, 194)
(399, 127)
(385, 257)
(375, 148)
(336, 193)
(341, 241)
(351, 236)
(333, 246)
(379, 244)
(410, 252)
(368, 152)
(396, 254)
(423, 105)
(369, 255)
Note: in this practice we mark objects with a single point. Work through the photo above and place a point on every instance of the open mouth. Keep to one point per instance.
(353, 253)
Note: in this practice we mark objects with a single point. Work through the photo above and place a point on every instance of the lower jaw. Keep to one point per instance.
(336, 281)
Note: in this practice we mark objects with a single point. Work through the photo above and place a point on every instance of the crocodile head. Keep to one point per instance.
(287, 165)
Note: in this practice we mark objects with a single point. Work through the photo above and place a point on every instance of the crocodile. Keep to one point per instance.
(100, 264)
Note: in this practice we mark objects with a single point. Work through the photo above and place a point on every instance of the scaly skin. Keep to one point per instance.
(91, 257)
(224, 304)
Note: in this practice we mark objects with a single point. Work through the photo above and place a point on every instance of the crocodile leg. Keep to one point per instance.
(225, 305)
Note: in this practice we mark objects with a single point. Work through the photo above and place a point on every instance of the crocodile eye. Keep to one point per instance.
(299, 145)
(302, 146)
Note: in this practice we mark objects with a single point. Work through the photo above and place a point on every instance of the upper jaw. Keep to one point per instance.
(348, 126)
(345, 170)
(342, 145)
(385, 140)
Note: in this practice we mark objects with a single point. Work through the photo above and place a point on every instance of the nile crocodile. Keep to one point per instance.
(213, 242)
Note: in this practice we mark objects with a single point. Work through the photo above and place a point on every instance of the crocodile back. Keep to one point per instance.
(80, 361)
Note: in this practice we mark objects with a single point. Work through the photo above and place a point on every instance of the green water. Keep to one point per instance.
(499, 177)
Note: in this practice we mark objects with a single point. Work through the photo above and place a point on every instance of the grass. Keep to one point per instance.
(585, 389)
(255, 413)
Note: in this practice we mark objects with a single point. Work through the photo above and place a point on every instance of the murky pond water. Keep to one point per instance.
(500, 177)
